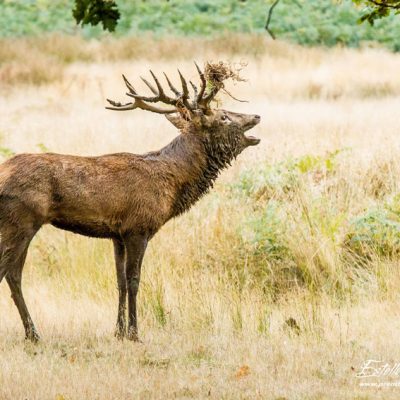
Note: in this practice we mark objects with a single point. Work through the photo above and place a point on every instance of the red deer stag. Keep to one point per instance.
(124, 197)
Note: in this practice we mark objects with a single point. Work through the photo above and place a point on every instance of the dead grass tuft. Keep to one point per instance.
(23, 62)
(218, 72)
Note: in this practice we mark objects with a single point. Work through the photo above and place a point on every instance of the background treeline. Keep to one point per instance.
(317, 22)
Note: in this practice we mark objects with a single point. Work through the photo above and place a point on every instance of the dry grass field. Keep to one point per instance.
(279, 284)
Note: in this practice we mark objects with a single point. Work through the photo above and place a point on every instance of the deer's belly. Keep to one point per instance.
(91, 229)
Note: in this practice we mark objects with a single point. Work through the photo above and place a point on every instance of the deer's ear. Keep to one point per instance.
(176, 120)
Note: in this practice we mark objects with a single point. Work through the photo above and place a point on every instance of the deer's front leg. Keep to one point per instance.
(120, 259)
(135, 246)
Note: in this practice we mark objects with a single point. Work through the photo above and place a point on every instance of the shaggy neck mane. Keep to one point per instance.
(196, 164)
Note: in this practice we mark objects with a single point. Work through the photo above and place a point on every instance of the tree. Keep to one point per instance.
(106, 12)
(94, 12)
(376, 9)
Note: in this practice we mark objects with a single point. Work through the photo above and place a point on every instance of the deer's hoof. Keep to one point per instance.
(119, 334)
(32, 336)
(133, 336)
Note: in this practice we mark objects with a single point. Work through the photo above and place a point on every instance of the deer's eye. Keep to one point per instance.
(224, 117)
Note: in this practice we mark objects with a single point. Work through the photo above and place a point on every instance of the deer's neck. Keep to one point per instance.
(195, 165)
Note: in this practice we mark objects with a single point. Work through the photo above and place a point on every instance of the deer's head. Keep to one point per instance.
(222, 130)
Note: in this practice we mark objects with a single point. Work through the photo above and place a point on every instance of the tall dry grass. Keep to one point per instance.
(43, 60)
(270, 287)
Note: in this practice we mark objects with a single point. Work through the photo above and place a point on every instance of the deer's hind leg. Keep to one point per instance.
(13, 251)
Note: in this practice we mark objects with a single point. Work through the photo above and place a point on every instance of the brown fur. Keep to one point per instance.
(124, 197)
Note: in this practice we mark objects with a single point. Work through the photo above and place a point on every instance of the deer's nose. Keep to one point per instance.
(257, 117)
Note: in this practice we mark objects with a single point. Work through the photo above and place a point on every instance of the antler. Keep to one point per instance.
(140, 100)
(181, 102)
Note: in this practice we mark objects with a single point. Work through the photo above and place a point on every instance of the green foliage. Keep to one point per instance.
(377, 9)
(266, 181)
(269, 189)
(323, 164)
(94, 12)
(264, 231)
(279, 179)
(273, 189)
(288, 202)
(156, 302)
(377, 232)
(306, 22)
(42, 148)
(5, 153)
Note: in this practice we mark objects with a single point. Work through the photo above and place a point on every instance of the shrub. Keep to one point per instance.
(375, 233)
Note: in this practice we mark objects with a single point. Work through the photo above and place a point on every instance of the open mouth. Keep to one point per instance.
(252, 140)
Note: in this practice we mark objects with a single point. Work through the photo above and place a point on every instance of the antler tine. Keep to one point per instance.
(128, 85)
(159, 95)
(149, 85)
(144, 98)
(195, 94)
(185, 91)
(203, 83)
(172, 87)
(162, 96)
(138, 104)
(202, 99)
(206, 99)
(194, 87)
(120, 107)
(157, 110)
(133, 93)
